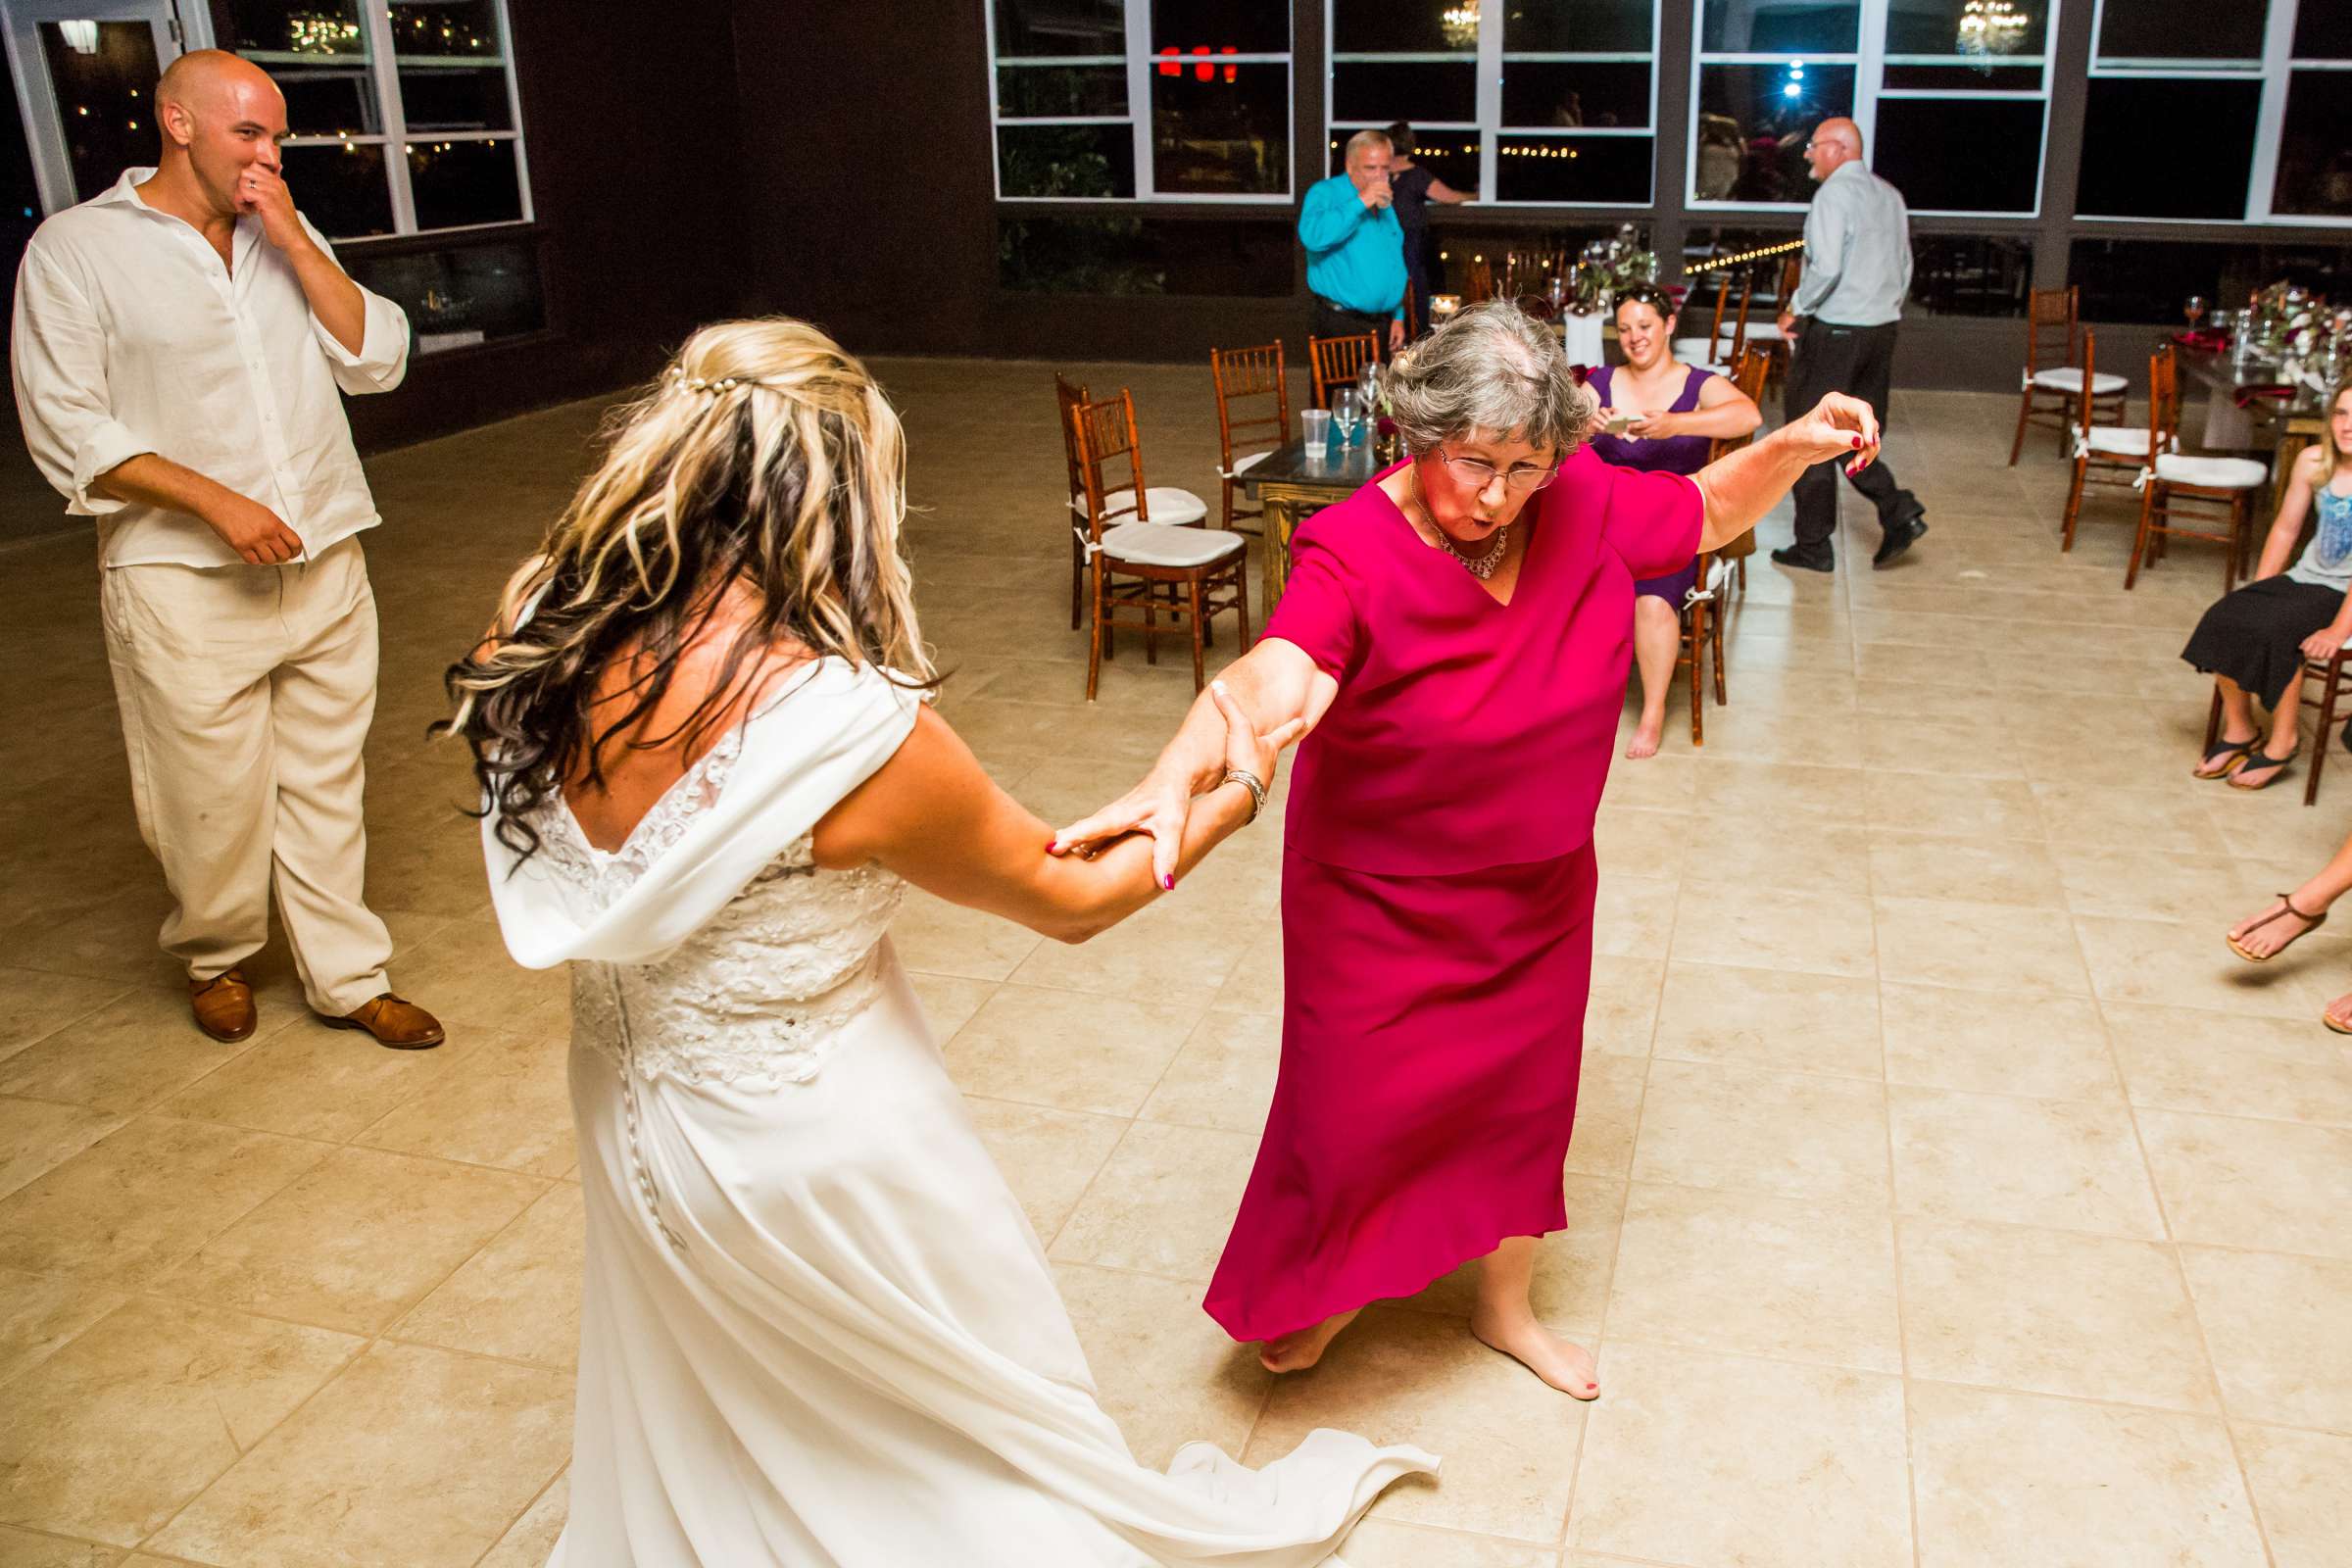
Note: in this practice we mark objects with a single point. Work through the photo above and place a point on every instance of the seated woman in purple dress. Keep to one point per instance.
(1457, 634)
(1677, 413)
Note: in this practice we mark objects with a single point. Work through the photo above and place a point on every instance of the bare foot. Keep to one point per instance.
(1566, 1367)
(2338, 1016)
(2268, 934)
(1297, 1350)
(1645, 738)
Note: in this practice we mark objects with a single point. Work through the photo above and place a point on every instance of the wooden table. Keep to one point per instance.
(2292, 423)
(1289, 488)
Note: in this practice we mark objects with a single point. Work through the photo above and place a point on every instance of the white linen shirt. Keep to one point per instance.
(130, 337)
(1857, 251)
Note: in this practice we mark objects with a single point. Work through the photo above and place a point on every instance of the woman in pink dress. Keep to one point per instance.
(1457, 633)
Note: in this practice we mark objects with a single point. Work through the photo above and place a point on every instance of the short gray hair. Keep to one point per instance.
(1491, 369)
(1367, 138)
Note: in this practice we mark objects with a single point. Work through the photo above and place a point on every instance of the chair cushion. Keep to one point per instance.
(2211, 473)
(2115, 440)
(1763, 333)
(1695, 350)
(1241, 465)
(1168, 504)
(2067, 379)
(1161, 544)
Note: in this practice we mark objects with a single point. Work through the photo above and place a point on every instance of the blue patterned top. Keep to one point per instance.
(2327, 561)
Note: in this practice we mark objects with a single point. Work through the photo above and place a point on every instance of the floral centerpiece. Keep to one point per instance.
(1609, 267)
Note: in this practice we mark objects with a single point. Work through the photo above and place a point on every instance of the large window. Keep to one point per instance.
(1542, 102)
(2315, 144)
(2172, 107)
(1162, 100)
(1952, 97)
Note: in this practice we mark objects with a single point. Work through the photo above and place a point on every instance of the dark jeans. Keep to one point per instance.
(1858, 361)
(1329, 320)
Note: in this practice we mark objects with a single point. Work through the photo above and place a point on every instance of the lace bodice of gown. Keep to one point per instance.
(755, 996)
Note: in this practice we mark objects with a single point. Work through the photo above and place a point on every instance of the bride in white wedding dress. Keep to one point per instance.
(817, 1328)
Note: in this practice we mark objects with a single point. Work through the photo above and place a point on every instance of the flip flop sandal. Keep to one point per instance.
(2287, 907)
(2227, 755)
(2255, 762)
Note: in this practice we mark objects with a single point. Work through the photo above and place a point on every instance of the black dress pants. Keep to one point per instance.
(1330, 320)
(1858, 361)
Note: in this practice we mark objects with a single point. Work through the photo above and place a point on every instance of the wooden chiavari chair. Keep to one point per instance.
(1337, 360)
(1245, 379)
(1130, 560)
(2200, 489)
(2052, 381)
(2109, 456)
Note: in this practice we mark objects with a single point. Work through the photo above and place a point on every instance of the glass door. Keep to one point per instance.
(84, 72)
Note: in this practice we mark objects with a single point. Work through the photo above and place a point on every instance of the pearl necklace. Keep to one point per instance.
(1483, 567)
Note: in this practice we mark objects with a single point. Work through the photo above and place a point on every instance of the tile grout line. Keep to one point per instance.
(2172, 1251)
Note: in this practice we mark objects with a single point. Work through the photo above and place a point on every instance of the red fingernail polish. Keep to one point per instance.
(1052, 845)
(1168, 882)
(1857, 443)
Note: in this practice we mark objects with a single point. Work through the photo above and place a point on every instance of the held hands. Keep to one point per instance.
(1840, 426)
(261, 190)
(254, 531)
(2326, 643)
(1160, 805)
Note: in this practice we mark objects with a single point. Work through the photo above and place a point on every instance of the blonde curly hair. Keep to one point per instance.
(766, 459)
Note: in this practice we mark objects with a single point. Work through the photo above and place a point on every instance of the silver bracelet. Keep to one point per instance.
(1255, 785)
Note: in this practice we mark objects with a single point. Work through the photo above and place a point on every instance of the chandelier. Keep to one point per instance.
(1991, 27)
(1459, 24)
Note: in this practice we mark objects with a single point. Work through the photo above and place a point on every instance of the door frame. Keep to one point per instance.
(177, 30)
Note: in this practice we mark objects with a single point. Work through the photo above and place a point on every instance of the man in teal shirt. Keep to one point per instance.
(1355, 248)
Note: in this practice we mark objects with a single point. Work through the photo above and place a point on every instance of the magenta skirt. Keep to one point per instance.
(1432, 1031)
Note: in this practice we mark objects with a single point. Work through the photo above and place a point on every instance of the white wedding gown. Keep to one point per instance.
(817, 1328)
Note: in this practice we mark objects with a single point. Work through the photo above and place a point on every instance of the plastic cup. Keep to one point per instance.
(1315, 425)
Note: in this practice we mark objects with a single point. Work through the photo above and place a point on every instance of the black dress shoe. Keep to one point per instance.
(1817, 558)
(1900, 538)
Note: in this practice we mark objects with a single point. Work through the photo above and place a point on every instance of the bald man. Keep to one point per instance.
(1842, 322)
(179, 345)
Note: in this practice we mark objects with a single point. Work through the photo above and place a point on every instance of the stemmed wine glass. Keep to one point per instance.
(2194, 310)
(1346, 411)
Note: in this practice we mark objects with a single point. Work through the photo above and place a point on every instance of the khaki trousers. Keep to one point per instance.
(246, 695)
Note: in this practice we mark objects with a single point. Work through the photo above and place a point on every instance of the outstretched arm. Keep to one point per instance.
(1276, 686)
(934, 816)
(1743, 485)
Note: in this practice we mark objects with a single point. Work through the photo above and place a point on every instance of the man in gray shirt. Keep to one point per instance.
(1842, 322)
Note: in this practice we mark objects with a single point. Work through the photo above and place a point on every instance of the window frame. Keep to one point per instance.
(2276, 71)
(1868, 60)
(383, 75)
(1490, 60)
(1140, 62)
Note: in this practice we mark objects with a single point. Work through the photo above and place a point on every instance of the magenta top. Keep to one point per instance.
(1469, 733)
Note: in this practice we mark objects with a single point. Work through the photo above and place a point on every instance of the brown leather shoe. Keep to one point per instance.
(396, 1024)
(224, 1007)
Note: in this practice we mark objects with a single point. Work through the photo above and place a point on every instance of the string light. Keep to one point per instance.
(1718, 263)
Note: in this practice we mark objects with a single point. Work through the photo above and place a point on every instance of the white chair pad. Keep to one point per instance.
(2116, 440)
(1763, 332)
(2211, 473)
(1161, 544)
(2066, 379)
(1695, 350)
(1168, 504)
(1241, 465)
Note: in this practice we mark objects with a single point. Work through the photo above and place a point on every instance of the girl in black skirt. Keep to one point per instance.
(2254, 641)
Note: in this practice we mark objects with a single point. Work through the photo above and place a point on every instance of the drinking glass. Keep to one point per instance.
(1346, 411)
(1315, 425)
(2194, 310)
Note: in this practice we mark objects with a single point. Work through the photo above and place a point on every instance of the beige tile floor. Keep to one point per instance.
(1945, 1193)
